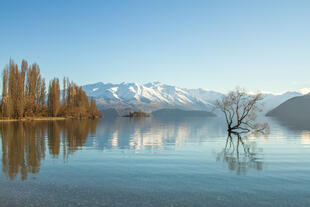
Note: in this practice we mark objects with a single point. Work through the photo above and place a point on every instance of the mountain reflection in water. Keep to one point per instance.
(154, 134)
(26, 144)
(152, 162)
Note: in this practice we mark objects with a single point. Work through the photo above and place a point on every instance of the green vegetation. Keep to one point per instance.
(24, 96)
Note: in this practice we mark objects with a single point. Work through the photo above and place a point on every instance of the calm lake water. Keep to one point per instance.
(152, 162)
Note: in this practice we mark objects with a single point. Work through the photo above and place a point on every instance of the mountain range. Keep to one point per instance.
(153, 96)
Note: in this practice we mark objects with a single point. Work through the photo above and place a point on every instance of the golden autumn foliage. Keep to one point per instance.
(24, 95)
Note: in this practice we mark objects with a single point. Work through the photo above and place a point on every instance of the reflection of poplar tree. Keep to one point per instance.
(24, 144)
(23, 147)
(54, 138)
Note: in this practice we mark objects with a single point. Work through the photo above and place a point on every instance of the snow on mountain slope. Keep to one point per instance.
(150, 96)
(153, 96)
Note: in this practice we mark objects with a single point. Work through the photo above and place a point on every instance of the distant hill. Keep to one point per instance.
(137, 115)
(181, 113)
(116, 112)
(110, 113)
(297, 108)
(271, 101)
(172, 113)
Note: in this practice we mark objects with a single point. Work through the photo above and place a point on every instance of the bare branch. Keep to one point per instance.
(240, 110)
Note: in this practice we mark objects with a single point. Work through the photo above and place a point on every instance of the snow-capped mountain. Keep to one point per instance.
(150, 96)
(153, 96)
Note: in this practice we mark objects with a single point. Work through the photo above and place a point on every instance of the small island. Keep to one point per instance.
(137, 115)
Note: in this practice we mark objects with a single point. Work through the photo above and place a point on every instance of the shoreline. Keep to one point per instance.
(36, 119)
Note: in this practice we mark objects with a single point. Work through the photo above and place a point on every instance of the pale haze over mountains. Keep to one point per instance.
(153, 96)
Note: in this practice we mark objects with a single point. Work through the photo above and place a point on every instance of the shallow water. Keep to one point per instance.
(152, 162)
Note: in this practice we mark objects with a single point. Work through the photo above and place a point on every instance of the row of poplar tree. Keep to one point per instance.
(24, 94)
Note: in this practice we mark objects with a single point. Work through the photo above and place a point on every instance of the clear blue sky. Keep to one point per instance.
(257, 44)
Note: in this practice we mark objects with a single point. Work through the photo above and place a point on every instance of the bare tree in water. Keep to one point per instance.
(240, 110)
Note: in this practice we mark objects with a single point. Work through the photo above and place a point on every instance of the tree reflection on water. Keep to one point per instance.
(24, 143)
(241, 154)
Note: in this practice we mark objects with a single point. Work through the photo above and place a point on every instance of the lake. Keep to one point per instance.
(152, 162)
